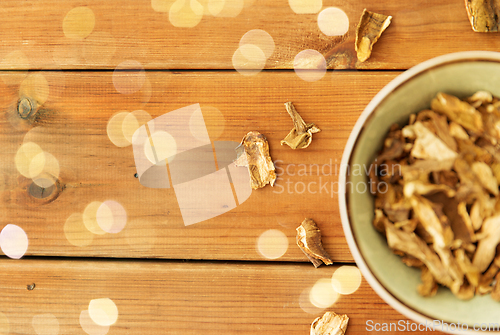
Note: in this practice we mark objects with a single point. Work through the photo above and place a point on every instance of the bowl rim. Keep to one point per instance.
(346, 157)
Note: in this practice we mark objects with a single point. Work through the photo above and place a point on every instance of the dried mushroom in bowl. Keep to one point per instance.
(436, 187)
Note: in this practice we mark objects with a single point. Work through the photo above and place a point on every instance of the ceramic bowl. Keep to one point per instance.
(460, 74)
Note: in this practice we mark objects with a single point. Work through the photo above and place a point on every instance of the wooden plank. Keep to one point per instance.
(179, 298)
(421, 29)
(71, 125)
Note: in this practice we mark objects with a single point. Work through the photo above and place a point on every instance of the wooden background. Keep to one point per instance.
(208, 278)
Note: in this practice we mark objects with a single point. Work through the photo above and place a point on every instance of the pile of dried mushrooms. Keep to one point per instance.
(436, 194)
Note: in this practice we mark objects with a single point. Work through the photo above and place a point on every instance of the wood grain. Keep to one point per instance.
(71, 125)
(180, 298)
(421, 29)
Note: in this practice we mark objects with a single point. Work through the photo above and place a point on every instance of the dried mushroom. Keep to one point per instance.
(439, 126)
(459, 111)
(485, 176)
(479, 98)
(309, 241)
(330, 323)
(441, 211)
(253, 152)
(370, 27)
(470, 270)
(429, 286)
(486, 279)
(427, 145)
(458, 132)
(495, 294)
(484, 15)
(301, 135)
(486, 247)
(411, 244)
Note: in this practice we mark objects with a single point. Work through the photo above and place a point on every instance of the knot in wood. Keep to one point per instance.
(26, 107)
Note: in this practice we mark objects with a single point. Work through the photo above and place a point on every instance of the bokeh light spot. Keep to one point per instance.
(305, 302)
(49, 173)
(13, 241)
(225, 8)
(215, 6)
(305, 6)
(162, 6)
(214, 122)
(90, 327)
(32, 162)
(185, 13)
(79, 23)
(333, 21)
(25, 155)
(309, 65)
(36, 165)
(45, 324)
(261, 39)
(129, 77)
(164, 147)
(35, 86)
(103, 311)
(111, 217)
(4, 324)
(76, 232)
(90, 218)
(197, 126)
(272, 244)
(132, 122)
(346, 279)
(322, 294)
(249, 59)
(115, 129)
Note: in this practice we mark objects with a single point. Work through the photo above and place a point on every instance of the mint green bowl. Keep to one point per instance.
(460, 74)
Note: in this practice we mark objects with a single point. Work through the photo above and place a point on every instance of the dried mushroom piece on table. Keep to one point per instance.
(440, 209)
(309, 241)
(484, 15)
(370, 27)
(253, 152)
(301, 135)
(330, 323)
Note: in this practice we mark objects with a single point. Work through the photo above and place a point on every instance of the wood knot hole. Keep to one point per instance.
(26, 107)
(41, 192)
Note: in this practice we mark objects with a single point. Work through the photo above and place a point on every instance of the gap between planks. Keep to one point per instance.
(175, 261)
